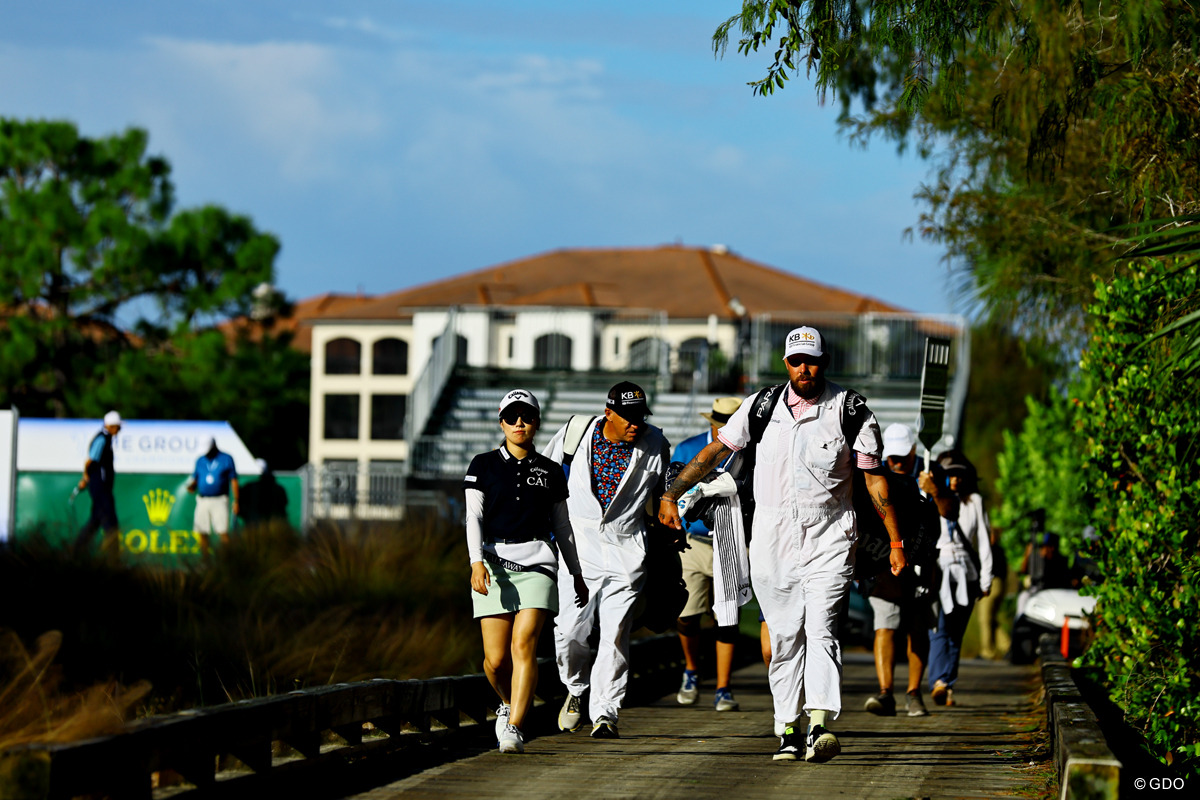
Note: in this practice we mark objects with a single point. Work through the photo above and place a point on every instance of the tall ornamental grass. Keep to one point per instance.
(268, 611)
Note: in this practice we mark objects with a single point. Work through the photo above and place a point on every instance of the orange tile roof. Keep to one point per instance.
(685, 282)
(303, 311)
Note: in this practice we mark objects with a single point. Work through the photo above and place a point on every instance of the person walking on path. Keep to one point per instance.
(98, 478)
(965, 560)
(903, 605)
(213, 480)
(615, 468)
(807, 437)
(697, 562)
(516, 515)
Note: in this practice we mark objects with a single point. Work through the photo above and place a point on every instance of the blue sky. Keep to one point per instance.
(390, 143)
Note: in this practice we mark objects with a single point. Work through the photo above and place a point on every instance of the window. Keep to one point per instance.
(389, 357)
(693, 354)
(341, 416)
(342, 357)
(644, 354)
(552, 351)
(387, 416)
(511, 347)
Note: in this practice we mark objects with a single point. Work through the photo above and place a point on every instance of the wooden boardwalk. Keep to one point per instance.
(980, 748)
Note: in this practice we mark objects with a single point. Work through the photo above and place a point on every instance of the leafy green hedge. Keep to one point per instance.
(1122, 450)
(1042, 468)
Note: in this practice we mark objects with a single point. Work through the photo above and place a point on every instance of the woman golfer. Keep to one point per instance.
(516, 516)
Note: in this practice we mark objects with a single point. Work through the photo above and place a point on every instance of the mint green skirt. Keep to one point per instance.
(511, 591)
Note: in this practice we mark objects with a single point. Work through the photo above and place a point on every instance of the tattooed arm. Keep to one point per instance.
(705, 462)
(877, 488)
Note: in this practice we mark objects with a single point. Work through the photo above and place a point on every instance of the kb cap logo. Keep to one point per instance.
(631, 395)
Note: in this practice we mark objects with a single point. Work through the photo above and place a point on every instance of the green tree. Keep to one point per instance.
(1051, 124)
(107, 299)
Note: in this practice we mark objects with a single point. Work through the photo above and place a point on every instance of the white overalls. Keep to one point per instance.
(802, 548)
(611, 545)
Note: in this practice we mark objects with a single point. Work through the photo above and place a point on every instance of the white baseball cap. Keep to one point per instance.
(112, 418)
(898, 440)
(804, 340)
(523, 396)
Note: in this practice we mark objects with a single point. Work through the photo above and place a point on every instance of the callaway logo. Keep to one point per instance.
(538, 470)
(853, 402)
(517, 395)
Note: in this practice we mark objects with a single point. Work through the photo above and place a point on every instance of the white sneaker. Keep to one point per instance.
(502, 714)
(511, 740)
(689, 689)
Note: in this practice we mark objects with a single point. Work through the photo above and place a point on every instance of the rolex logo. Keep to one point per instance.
(158, 505)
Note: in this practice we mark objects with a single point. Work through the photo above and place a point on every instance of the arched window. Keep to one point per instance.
(644, 354)
(552, 351)
(693, 354)
(343, 357)
(389, 357)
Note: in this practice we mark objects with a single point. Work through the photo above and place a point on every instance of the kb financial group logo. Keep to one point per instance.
(631, 396)
(802, 337)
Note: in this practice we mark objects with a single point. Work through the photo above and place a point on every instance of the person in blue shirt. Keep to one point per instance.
(697, 562)
(214, 478)
(98, 477)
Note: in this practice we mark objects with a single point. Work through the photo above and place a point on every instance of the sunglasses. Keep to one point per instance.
(511, 417)
(796, 359)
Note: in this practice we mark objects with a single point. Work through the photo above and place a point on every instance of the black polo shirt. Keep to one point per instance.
(518, 495)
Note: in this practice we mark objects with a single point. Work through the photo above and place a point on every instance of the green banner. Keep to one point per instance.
(155, 512)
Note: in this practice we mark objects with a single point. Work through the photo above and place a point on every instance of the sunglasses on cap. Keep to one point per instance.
(510, 416)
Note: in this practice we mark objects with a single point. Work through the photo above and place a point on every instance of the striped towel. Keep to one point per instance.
(731, 563)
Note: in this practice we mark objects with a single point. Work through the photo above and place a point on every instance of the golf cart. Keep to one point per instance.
(1052, 602)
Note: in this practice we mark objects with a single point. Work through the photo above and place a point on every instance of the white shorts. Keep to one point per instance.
(887, 613)
(212, 514)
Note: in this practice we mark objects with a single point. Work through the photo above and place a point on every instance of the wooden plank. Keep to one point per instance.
(973, 749)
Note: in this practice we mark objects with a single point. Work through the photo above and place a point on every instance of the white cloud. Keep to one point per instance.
(291, 98)
(370, 27)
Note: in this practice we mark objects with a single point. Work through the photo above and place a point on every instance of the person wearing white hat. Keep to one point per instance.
(808, 436)
(516, 520)
(902, 605)
(98, 478)
(214, 480)
(697, 562)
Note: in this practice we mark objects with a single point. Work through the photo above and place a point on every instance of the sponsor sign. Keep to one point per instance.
(142, 446)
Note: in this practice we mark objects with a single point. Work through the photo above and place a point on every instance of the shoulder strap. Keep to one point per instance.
(854, 415)
(576, 426)
(764, 406)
